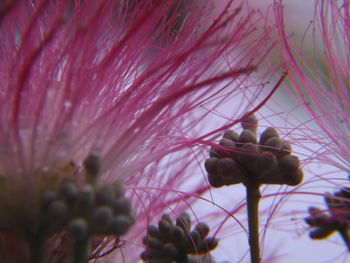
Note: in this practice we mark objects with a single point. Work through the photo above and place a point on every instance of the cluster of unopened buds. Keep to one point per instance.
(87, 210)
(174, 242)
(240, 157)
(336, 220)
(71, 202)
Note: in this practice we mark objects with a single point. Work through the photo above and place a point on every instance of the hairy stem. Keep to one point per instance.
(253, 197)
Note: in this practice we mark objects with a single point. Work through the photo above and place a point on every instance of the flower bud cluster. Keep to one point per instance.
(173, 242)
(337, 220)
(241, 156)
(87, 210)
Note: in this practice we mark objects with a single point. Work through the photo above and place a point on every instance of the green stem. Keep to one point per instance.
(81, 251)
(253, 197)
(36, 249)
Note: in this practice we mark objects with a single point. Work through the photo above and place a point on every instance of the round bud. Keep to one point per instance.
(211, 243)
(250, 123)
(314, 211)
(321, 233)
(119, 225)
(344, 193)
(152, 243)
(207, 245)
(179, 234)
(184, 221)
(153, 231)
(105, 195)
(195, 238)
(102, 216)
(267, 134)
(214, 152)
(211, 165)
(46, 198)
(86, 197)
(68, 191)
(265, 162)
(231, 135)
(317, 217)
(227, 143)
(293, 179)
(215, 180)
(122, 206)
(78, 228)
(249, 153)
(146, 255)
(226, 167)
(165, 228)
(273, 145)
(289, 164)
(57, 210)
(169, 250)
(167, 218)
(202, 229)
(247, 136)
(286, 149)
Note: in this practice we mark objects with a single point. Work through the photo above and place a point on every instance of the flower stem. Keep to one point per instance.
(253, 197)
(36, 249)
(81, 249)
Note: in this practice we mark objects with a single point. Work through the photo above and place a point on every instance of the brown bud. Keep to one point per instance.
(293, 179)
(170, 250)
(250, 123)
(203, 229)
(286, 149)
(152, 243)
(184, 221)
(215, 152)
(167, 218)
(289, 164)
(215, 180)
(231, 135)
(247, 136)
(267, 134)
(226, 167)
(249, 153)
(265, 162)
(321, 232)
(211, 165)
(273, 145)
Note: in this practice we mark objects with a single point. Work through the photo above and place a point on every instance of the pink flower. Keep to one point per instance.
(127, 81)
(319, 84)
(320, 79)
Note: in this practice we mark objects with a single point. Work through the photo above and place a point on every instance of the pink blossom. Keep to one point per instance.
(128, 82)
(320, 79)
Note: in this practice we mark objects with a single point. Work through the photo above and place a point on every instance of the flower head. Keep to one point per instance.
(121, 80)
(321, 78)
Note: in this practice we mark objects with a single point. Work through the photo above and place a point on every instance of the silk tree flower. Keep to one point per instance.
(128, 82)
(321, 79)
(319, 84)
